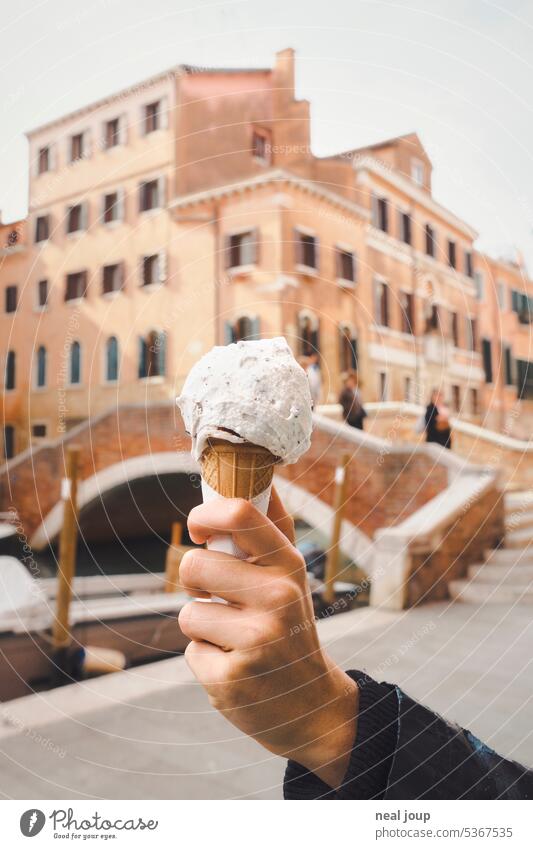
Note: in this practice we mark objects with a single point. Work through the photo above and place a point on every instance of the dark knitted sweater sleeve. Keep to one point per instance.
(403, 750)
(371, 757)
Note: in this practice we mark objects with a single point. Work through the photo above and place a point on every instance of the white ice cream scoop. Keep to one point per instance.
(249, 392)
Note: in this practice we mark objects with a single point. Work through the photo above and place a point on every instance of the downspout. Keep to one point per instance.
(217, 269)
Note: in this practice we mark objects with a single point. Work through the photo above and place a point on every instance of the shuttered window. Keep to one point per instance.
(486, 350)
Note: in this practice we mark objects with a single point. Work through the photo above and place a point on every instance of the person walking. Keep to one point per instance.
(351, 402)
(437, 421)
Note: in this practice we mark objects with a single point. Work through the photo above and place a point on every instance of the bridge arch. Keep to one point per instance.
(119, 474)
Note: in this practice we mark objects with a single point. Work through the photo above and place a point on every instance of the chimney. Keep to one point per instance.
(284, 77)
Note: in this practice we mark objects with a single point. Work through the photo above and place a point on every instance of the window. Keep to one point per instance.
(452, 254)
(417, 172)
(431, 240)
(152, 355)
(112, 278)
(380, 213)
(454, 328)
(407, 389)
(404, 227)
(241, 249)
(456, 398)
(433, 318)
(42, 228)
(38, 430)
(43, 160)
(408, 312)
(111, 359)
(112, 133)
(469, 266)
(77, 218)
(306, 247)
(308, 335)
(40, 377)
(245, 329)
(9, 441)
(347, 348)
(522, 305)
(381, 303)
(113, 207)
(486, 350)
(11, 298)
(150, 195)
(383, 388)
(76, 286)
(77, 147)
(474, 401)
(508, 365)
(152, 117)
(153, 269)
(42, 294)
(480, 285)
(74, 364)
(261, 146)
(345, 265)
(471, 341)
(524, 379)
(11, 368)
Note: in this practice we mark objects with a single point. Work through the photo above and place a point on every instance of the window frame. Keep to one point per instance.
(44, 306)
(9, 308)
(301, 234)
(70, 383)
(84, 277)
(111, 381)
(36, 384)
(10, 369)
(44, 216)
(342, 251)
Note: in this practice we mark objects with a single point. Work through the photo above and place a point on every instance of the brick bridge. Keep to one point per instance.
(141, 445)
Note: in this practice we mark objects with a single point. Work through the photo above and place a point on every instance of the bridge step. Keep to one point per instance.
(477, 592)
(519, 519)
(519, 539)
(516, 576)
(509, 556)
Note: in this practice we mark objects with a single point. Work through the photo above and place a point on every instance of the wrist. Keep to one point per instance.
(331, 734)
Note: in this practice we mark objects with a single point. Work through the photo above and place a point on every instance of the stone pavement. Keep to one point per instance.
(150, 732)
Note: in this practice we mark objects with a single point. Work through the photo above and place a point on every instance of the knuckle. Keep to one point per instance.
(243, 510)
(299, 561)
(283, 592)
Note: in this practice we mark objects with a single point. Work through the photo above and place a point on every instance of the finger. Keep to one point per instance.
(279, 516)
(221, 624)
(207, 662)
(253, 532)
(219, 574)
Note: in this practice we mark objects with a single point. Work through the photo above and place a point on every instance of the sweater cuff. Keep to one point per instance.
(371, 758)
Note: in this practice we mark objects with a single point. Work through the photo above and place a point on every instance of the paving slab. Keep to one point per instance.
(150, 732)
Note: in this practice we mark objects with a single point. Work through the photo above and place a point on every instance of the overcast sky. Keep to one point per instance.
(458, 72)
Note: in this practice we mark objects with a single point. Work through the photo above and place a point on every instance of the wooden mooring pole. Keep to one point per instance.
(332, 560)
(61, 635)
(173, 558)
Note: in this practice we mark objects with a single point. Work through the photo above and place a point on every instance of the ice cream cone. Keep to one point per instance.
(237, 470)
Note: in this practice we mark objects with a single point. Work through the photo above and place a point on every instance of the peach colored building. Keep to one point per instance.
(189, 210)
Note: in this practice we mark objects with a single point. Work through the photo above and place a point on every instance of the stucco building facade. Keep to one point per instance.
(189, 210)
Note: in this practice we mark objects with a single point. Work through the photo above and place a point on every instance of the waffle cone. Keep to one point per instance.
(237, 470)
